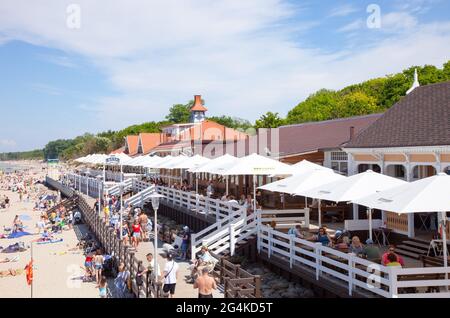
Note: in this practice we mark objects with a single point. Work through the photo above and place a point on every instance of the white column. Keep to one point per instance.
(410, 215)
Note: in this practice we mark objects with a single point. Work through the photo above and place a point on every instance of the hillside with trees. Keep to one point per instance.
(372, 96)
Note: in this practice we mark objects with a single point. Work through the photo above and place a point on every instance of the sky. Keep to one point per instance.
(70, 67)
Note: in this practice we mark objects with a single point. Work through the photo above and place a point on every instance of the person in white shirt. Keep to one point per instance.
(210, 189)
(170, 276)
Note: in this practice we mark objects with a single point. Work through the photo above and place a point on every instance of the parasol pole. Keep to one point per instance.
(444, 245)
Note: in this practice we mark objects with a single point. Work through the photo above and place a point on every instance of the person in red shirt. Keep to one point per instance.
(136, 229)
(88, 266)
(384, 258)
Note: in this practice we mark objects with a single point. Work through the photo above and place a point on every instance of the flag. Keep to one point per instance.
(29, 272)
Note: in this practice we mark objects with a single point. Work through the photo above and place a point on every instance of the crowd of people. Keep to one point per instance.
(341, 241)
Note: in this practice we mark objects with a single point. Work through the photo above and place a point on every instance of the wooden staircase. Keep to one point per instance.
(69, 204)
(413, 248)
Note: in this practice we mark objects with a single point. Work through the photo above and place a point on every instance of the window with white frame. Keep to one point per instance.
(339, 161)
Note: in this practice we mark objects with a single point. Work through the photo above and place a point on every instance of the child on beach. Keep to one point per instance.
(102, 287)
(98, 265)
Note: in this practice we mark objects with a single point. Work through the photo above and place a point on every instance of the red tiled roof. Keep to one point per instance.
(148, 141)
(421, 118)
(131, 145)
(169, 146)
(117, 151)
(313, 136)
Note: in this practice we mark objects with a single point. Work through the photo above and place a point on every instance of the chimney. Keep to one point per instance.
(352, 133)
(197, 100)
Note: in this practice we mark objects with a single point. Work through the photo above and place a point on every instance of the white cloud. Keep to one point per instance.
(343, 11)
(398, 21)
(8, 143)
(353, 26)
(238, 54)
(46, 89)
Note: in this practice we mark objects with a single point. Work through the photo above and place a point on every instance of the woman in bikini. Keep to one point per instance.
(136, 229)
(98, 265)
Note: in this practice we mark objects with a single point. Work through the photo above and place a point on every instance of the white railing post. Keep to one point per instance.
(318, 252)
(351, 276)
(291, 251)
(193, 245)
(269, 241)
(197, 203)
(258, 237)
(393, 287)
(232, 240)
(307, 210)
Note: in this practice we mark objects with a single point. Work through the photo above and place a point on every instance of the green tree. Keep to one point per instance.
(231, 122)
(179, 113)
(316, 107)
(269, 120)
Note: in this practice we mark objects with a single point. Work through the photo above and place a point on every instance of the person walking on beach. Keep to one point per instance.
(98, 265)
(143, 220)
(170, 276)
(102, 287)
(205, 284)
(122, 281)
(136, 228)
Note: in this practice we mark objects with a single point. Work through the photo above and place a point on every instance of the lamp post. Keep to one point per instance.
(155, 197)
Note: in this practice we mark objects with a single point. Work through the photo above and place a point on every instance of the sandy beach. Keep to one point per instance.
(57, 271)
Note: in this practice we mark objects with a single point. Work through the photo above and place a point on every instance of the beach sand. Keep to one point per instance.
(56, 270)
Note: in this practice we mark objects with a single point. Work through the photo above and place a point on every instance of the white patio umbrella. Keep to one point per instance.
(303, 182)
(430, 194)
(256, 165)
(149, 161)
(216, 166)
(305, 166)
(353, 188)
(166, 163)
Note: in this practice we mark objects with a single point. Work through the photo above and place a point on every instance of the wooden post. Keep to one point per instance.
(258, 286)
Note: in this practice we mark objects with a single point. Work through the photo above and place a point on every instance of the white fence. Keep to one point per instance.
(355, 272)
(285, 218)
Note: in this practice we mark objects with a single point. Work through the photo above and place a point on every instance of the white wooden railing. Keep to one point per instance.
(87, 185)
(127, 186)
(353, 271)
(285, 218)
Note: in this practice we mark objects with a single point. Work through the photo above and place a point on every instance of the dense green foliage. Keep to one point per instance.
(372, 96)
(26, 155)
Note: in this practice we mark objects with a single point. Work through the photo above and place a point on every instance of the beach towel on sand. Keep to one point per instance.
(49, 242)
(18, 234)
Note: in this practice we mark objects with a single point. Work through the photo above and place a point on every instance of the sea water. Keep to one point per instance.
(9, 167)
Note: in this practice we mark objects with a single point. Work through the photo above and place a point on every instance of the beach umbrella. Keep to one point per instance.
(306, 166)
(430, 194)
(256, 165)
(150, 161)
(353, 188)
(302, 182)
(190, 163)
(217, 166)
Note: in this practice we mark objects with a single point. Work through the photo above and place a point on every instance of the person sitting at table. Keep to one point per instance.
(392, 260)
(384, 259)
(343, 243)
(356, 247)
(323, 237)
(296, 231)
(372, 252)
